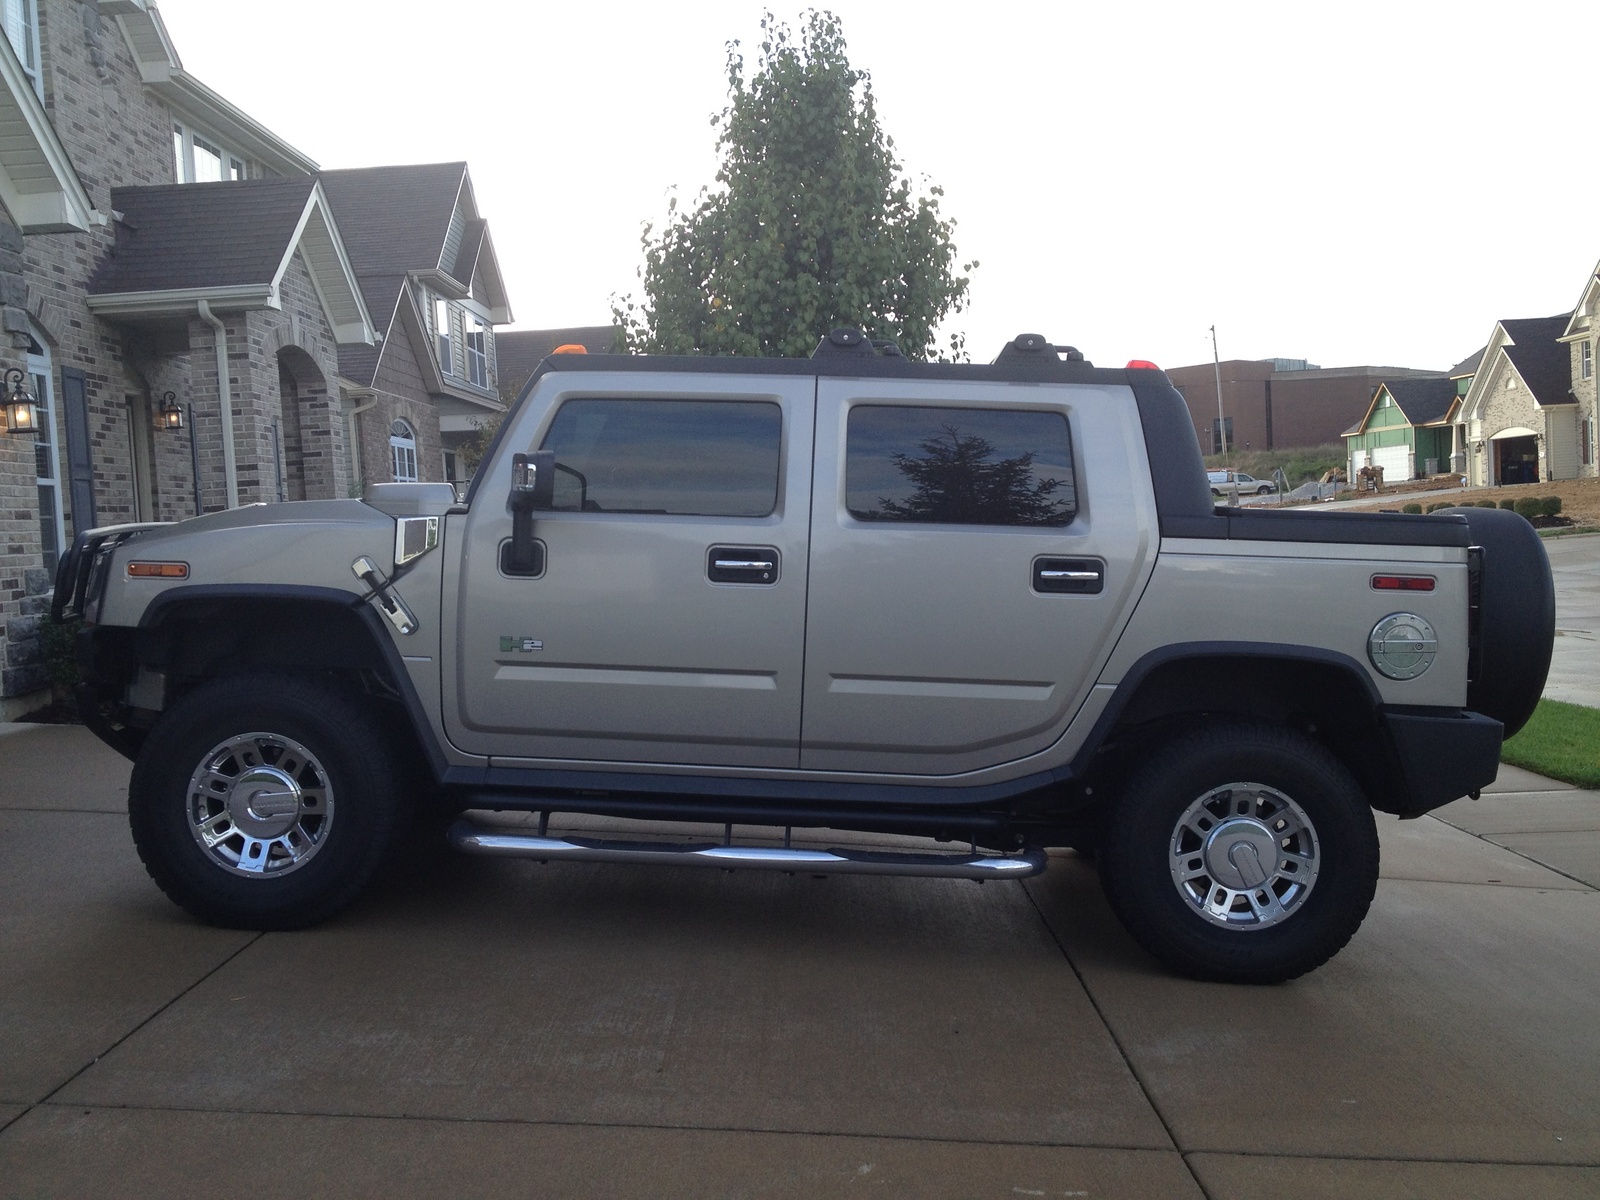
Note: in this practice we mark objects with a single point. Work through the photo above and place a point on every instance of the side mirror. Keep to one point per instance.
(533, 487)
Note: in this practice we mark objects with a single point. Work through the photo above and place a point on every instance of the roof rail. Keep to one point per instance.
(846, 340)
(1034, 347)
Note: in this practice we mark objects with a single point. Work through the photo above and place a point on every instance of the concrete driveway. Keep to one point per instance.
(504, 1028)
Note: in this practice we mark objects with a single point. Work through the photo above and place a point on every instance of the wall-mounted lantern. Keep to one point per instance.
(22, 414)
(169, 415)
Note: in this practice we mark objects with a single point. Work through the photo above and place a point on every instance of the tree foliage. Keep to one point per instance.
(811, 225)
(957, 481)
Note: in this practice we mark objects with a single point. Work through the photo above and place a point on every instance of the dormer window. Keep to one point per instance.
(199, 158)
(22, 31)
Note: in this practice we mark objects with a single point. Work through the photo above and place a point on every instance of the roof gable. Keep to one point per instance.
(1423, 401)
(1586, 313)
(229, 244)
(395, 220)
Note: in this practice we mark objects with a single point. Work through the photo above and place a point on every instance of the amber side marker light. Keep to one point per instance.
(158, 570)
(1402, 583)
(570, 348)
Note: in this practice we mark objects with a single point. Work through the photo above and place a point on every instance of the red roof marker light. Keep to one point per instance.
(1141, 364)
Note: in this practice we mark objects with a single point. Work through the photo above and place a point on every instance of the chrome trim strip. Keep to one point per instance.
(473, 839)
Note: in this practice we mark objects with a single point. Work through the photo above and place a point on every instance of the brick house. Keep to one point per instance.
(1519, 420)
(1580, 337)
(427, 266)
(162, 250)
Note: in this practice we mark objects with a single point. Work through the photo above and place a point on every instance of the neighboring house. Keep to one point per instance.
(183, 303)
(1279, 404)
(1519, 420)
(522, 350)
(1407, 429)
(1582, 338)
(427, 267)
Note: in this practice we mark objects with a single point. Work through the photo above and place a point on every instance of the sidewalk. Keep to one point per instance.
(507, 1028)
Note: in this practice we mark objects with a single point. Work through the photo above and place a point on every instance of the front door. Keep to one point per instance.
(964, 589)
(664, 620)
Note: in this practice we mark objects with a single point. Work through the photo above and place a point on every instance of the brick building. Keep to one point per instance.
(1279, 404)
(162, 250)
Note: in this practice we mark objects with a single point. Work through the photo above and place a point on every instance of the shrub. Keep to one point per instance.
(1528, 506)
(1509, 505)
(60, 656)
(1442, 504)
(1486, 504)
(1552, 506)
(1411, 508)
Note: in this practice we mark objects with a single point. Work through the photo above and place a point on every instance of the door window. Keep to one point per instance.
(702, 458)
(959, 466)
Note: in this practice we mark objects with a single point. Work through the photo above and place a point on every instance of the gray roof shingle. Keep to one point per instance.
(518, 352)
(1544, 363)
(1423, 399)
(193, 235)
(392, 220)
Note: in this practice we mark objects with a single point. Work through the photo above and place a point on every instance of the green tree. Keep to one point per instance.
(811, 226)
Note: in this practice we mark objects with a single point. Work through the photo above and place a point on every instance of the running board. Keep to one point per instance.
(474, 839)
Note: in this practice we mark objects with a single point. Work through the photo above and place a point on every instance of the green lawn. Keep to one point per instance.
(1560, 740)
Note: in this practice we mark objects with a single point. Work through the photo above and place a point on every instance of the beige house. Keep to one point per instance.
(1580, 337)
(1519, 419)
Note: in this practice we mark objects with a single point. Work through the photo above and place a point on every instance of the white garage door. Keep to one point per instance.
(1395, 461)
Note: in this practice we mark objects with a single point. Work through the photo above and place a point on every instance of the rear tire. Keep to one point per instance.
(266, 801)
(1241, 853)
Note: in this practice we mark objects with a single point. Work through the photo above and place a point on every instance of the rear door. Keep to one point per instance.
(975, 550)
(665, 623)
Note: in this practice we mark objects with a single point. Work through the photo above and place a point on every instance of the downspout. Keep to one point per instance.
(355, 439)
(230, 474)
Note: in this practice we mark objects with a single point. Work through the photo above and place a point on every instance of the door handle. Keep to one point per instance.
(1073, 576)
(742, 564)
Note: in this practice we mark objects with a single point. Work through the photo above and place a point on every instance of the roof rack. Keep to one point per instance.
(1032, 347)
(846, 340)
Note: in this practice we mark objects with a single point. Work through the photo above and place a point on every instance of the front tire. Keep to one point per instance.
(265, 801)
(1241, 853)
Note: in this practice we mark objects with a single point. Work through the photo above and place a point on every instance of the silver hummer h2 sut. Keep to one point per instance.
(991, 605)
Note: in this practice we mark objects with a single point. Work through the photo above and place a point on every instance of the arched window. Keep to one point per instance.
(403, 450)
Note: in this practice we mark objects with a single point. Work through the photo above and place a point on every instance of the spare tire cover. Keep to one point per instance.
(1517, 617)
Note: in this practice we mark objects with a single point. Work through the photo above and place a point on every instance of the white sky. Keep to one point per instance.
(1361, 182)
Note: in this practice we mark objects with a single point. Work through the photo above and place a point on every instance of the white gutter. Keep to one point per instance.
(230, 474)
(355, 439)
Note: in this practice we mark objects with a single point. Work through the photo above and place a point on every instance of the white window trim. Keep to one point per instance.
(403, 452)
(22, 17)
(183, 153)
(1586, 360)
(40, 373)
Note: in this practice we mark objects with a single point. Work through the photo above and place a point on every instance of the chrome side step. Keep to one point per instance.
(474, 839)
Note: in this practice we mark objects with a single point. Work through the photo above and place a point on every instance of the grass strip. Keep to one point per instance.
(1560, 740)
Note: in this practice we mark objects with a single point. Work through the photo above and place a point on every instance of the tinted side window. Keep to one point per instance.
(959, 466)
(705, 458)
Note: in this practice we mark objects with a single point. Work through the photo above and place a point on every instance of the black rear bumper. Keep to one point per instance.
(1442, 756)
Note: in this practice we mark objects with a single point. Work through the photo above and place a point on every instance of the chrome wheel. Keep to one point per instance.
(1244, 856)
(260, 805)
